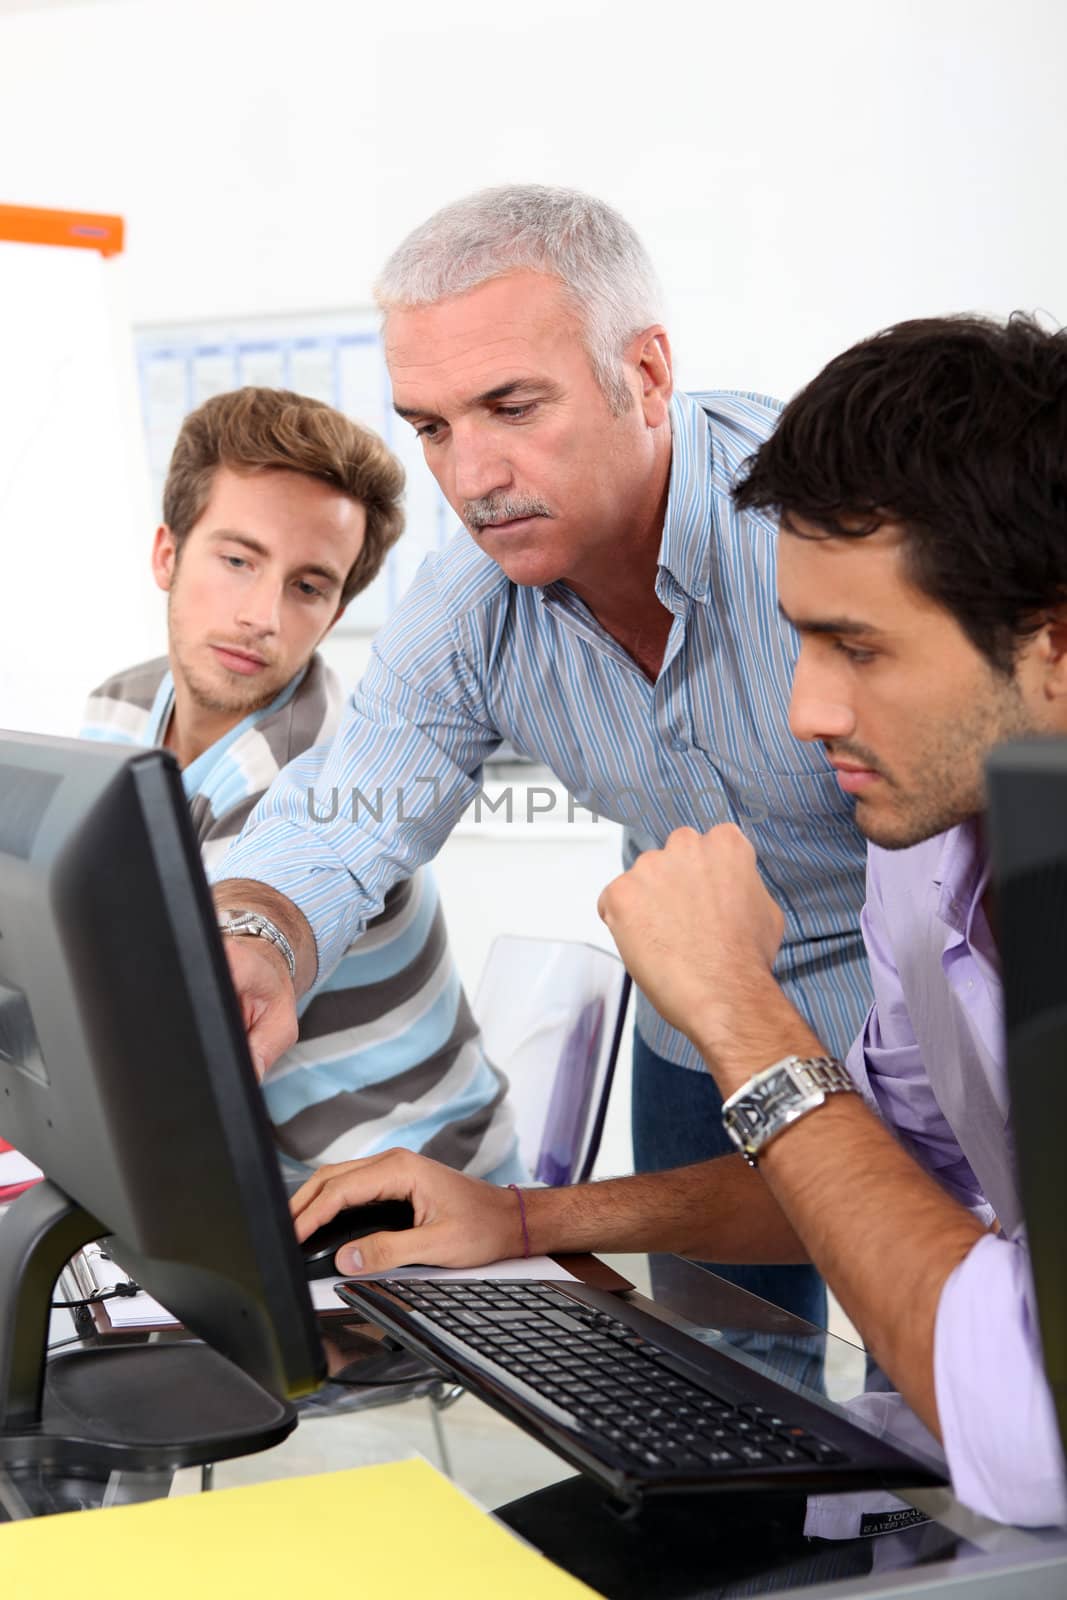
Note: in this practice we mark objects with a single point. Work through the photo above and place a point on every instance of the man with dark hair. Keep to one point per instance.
(278, 510)
(921, 486)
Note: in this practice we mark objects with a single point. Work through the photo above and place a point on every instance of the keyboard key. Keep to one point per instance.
(473, 1319)
(564, 1320)
(553, 1297)
(824, 1454)
(679, 1456)
(718, 1431)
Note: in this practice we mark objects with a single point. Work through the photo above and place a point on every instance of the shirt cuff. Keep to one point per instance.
(998, 1422)
(287, 858)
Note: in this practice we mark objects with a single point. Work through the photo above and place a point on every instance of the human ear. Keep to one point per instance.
(1054, 649)
(650, 353)
(164, 557)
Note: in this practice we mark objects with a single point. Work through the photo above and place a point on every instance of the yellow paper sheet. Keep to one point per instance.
(394, 1531)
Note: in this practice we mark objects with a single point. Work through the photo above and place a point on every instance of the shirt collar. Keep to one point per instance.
(195, 774)
(685, 547)
(961, 875)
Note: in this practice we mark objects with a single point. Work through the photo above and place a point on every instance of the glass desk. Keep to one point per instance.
(720, 1544)
(732, 1544)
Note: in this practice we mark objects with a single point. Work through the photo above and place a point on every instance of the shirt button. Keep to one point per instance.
(680, 746)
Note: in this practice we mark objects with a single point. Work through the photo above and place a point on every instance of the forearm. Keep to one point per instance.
(246, 894)
(719, 1210)
(881, 1231)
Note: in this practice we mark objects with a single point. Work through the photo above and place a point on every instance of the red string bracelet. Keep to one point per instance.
(522, 1214)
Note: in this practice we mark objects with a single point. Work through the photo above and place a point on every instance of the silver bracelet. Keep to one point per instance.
(253, 925)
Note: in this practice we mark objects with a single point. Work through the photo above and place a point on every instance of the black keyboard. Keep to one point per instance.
(627, 1398)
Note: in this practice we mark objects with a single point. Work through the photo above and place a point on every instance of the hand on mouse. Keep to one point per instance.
(459, 1221)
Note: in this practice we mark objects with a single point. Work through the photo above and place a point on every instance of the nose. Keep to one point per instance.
(259, 608)
(817, 708)
(478, 467)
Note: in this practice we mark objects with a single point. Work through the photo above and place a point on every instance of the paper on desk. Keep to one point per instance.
(141, 1311)
(534, 1267)
(399, 1528)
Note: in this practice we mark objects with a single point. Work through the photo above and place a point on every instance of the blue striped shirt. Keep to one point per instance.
(470, 658)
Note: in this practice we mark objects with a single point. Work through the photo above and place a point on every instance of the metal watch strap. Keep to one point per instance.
(778, 1096)
(253, 925)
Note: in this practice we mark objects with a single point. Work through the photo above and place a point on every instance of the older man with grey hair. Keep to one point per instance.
(607, 610)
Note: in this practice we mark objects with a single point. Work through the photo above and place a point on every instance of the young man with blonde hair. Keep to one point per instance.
(277, 510)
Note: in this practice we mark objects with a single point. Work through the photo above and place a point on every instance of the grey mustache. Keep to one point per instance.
(502, 508)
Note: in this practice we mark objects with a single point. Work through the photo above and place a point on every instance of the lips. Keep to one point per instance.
(506, 527)
(235, 659)
(852, 779)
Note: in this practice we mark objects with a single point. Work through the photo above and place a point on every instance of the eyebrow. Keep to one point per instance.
(501, 391)
(848, 626)
(314, 568)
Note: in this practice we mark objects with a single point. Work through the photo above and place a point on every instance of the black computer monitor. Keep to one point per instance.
(1028, 838)
(124, 1069)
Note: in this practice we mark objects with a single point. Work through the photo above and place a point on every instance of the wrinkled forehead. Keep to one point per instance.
(517, 327)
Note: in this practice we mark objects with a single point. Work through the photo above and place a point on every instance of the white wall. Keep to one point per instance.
(74, 492)
(802, 173)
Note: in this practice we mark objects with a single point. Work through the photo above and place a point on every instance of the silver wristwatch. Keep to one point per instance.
(779, 1095)
(250, 924)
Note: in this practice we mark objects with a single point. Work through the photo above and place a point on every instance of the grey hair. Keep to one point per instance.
(593, 251)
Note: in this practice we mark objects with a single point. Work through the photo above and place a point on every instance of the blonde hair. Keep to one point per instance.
(256, 430)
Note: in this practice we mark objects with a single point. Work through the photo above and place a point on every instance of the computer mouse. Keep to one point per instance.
(353, 1222)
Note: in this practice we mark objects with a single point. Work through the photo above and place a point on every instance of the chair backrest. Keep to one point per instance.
(552, 1013)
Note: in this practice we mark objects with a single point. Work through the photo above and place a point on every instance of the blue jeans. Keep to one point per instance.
(677, 1119)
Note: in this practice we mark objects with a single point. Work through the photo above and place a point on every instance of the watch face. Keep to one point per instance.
(777, 1097)
(747, 1119)
(754, 1115)
(774, 1092)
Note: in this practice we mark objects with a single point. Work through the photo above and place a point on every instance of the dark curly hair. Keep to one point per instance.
(955, 428)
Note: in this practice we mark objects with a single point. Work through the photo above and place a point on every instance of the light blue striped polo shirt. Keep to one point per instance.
(389, 1052)
(470, 658)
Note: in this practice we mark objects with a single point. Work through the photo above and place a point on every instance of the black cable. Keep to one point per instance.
(118, 1291)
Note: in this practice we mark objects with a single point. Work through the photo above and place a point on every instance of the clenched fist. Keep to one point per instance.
(698, 931)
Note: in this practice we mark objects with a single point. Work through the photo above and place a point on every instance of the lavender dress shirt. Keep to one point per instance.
(930, 1060)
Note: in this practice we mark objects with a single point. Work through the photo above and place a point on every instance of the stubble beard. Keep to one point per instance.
(211, 698)
(950, 786)
(218, 699)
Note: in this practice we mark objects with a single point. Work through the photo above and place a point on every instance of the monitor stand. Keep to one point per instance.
(123, 1407)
